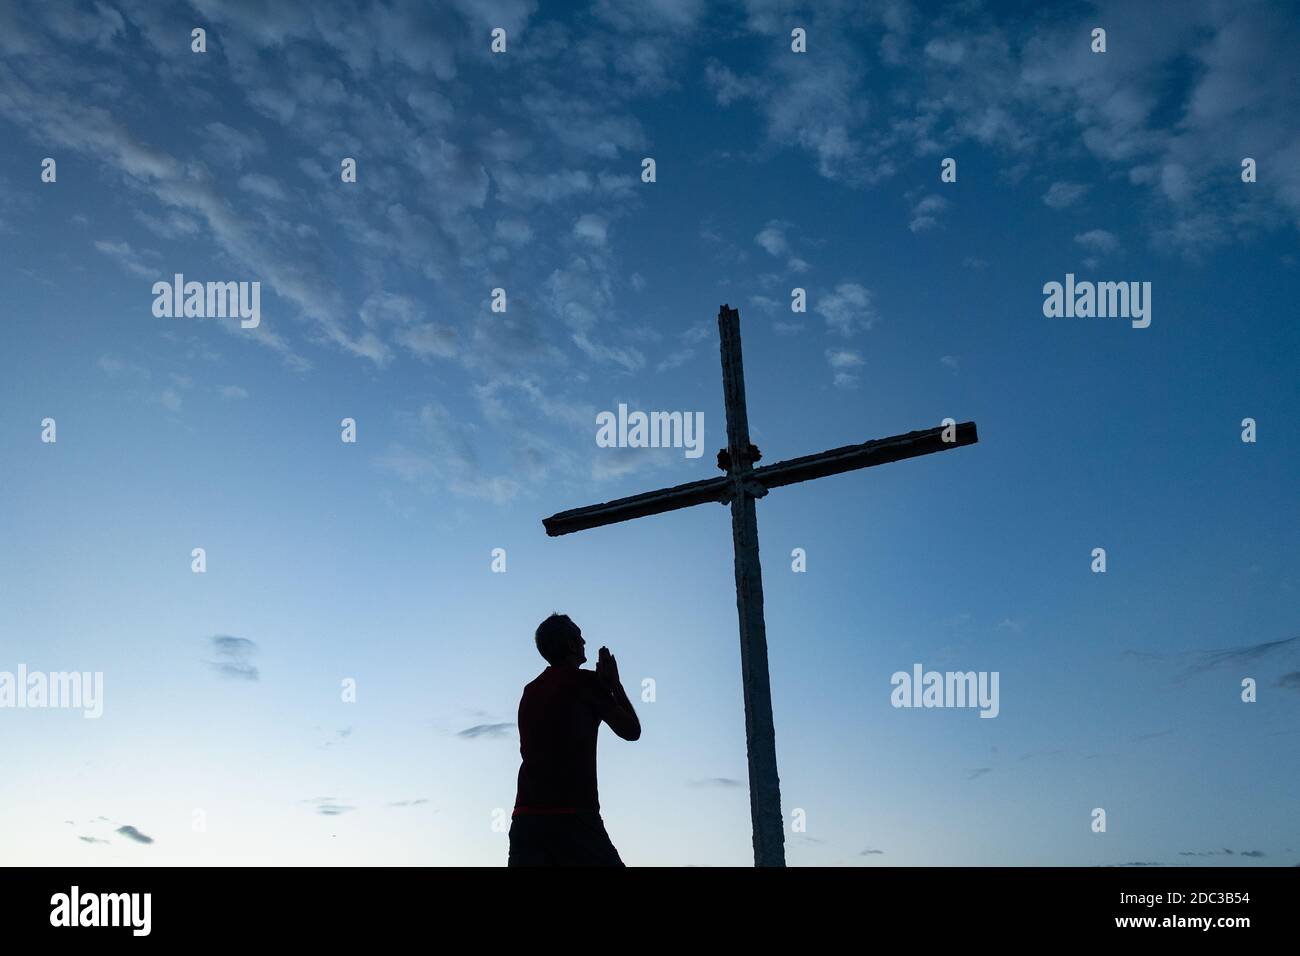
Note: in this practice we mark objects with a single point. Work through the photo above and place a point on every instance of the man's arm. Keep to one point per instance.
(620, 715)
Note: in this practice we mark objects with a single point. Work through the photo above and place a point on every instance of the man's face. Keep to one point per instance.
(580, 647)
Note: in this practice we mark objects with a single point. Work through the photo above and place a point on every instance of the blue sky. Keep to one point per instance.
(775, 170)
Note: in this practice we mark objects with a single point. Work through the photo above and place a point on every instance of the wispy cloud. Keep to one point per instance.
(1062, 194)
(131, 833)
(329, 806)
(121, 252)
(1191, 663)
(486, 731)
(233, 655)
(1098, 241)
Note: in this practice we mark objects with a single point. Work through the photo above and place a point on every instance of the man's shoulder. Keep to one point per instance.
(565, 678)
(541, 680)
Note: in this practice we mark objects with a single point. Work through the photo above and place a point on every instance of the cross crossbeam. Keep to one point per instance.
(740, 487)
(833, 462)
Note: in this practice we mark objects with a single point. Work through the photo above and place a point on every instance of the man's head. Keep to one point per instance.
(560, 641)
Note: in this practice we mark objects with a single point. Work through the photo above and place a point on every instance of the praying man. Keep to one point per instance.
(557, 811)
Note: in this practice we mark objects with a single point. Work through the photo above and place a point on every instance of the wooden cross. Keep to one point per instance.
(741, 485)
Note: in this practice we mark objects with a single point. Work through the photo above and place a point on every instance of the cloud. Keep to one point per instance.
(841, 360)
(264, 187)
(726, 783)
(628, 358)
(329, 806)
(823, 112)
(697, 334)
(772, 238)
(978, 772)
(591, 229)
(405, 319)
(1063, 194)
(131, 833)
(238, 145)
(486, 731)
(407, 803)
(925, 213)
(1236, 656)
(676, 359)
(871, 852)
(91, 839)
(1148, 863)
(232, 657)
(1210, 80)
(1199, 662)
(1098, 240)
(116, 368)
(233, 392)
(406, 463)
(847, 309)
(447, 453)
(950, 52)
(513, 230)
(169, 225)
(340, 735)
(121, 252)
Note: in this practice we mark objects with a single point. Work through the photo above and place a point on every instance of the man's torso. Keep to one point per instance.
(559, 718)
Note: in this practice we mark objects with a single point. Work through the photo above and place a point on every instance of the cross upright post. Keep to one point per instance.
(760, 733)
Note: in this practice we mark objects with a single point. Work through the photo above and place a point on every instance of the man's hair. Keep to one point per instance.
(554, 636)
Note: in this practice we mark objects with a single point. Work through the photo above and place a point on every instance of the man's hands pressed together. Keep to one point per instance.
(622, 718)
(607, 668)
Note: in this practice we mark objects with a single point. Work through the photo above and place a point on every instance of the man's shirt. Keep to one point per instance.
(559, 717)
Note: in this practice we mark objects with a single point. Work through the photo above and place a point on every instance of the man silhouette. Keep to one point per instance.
(557, 812)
